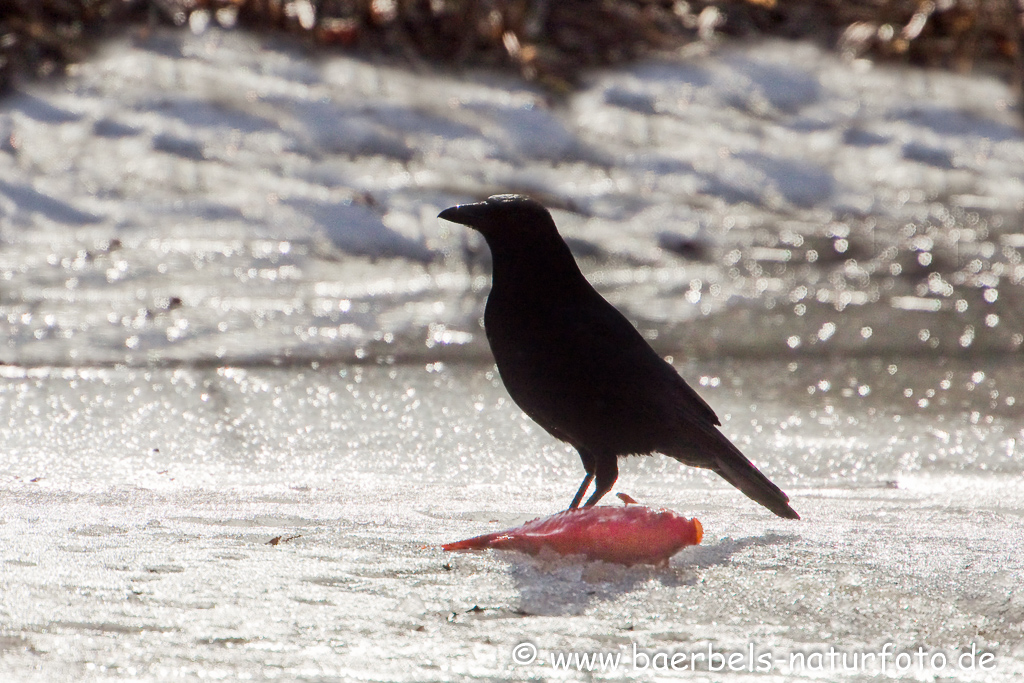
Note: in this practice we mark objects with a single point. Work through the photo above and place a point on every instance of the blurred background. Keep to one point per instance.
(191, 192)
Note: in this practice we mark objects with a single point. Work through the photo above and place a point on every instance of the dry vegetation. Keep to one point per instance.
(547, 40)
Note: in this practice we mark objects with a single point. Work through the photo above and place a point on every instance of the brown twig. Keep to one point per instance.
(552, 41)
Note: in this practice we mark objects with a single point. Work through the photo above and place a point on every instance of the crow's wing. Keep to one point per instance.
(561, 360)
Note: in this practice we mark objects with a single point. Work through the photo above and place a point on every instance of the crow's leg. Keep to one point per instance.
(606, 471)
(583, 489)
(588, 465)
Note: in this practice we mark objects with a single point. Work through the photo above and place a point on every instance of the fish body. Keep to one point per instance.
(629, 535)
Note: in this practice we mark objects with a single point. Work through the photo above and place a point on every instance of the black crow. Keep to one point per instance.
(577, 366)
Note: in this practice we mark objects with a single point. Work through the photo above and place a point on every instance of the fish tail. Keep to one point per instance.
(477, 542)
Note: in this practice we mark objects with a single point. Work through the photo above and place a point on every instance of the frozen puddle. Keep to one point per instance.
(139, 511)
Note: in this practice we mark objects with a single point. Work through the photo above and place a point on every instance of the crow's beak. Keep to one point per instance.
(472, 215)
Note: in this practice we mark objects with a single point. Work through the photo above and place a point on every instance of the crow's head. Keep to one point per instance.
(504, 217)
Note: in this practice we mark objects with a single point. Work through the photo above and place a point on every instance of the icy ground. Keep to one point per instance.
(247, 393)
(139, 509)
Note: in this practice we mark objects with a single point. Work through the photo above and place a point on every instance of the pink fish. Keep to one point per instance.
(629, 535)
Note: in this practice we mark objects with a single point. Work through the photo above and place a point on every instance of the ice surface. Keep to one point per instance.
(248, 393)
(140, 507)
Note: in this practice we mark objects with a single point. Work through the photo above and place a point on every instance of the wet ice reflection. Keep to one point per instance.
(862, 423)
(153, 300)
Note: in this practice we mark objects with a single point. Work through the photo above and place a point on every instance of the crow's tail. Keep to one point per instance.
(742, 474)
(719, 454)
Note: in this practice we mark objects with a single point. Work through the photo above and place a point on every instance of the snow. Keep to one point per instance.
(261, 177)
(248, 393)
